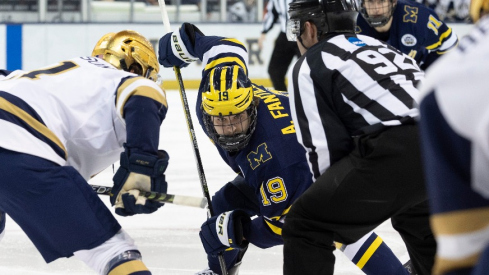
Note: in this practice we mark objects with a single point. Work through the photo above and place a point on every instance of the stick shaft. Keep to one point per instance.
(193, 139)
(161, 197)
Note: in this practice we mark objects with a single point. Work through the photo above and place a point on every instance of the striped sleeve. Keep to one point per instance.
(138, 86)
(444, 39)
(226, 52)
(310, 133)
(270, 16)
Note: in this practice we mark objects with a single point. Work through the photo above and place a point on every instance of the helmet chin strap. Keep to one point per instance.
(302, 43)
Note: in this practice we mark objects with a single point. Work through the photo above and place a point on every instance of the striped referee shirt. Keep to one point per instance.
(348, 85)
(277, 10)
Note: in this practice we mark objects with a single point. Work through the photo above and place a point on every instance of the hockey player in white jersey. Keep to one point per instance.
(64, 123)
(455, 138)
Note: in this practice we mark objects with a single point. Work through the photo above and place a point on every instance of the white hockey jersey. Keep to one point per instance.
(459, 82)
(455, 134)
(70, 113)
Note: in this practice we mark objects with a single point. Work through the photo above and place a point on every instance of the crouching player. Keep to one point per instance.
(253, 132)
(63, 123)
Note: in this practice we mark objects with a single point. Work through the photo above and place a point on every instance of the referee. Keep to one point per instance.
(284, 50)
(353, 102)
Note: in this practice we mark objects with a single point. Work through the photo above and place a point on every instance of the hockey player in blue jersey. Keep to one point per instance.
(408, 26)
(253, 131)
(454, 126)
(64, 123)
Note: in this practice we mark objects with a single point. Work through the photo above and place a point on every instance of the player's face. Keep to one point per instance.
(377, 7)
(231, 125)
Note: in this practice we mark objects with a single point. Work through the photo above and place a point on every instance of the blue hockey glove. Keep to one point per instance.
(226, 230)
(138, 172)
(177, 48)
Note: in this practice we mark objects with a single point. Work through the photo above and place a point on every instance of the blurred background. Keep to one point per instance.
(36, 33)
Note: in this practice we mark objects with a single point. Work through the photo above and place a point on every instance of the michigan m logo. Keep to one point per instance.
(259, 156)
(411, 14)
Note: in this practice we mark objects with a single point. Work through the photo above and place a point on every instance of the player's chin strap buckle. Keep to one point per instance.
(123, 257)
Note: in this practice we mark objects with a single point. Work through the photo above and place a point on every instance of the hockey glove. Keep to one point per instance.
(177, 48)
(226, 230)
(138, 172)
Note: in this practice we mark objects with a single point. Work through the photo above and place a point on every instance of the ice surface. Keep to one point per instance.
(168, 239)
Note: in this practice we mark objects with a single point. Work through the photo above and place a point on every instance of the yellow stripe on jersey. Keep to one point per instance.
(125, 85)
(460, 222)
(442, 37)
(370, 251)
(234, 41)
(461, 238)
(229, 59)
(145, 91)
(277, 230)
(286, 211)
(32, 122)
(129, 268)
(443, 266)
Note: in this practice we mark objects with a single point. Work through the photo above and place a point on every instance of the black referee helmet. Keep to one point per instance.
(327, 15)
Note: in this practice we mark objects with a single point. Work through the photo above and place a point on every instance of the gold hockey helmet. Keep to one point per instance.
(130, 51)
(101, 45)
(478, 8)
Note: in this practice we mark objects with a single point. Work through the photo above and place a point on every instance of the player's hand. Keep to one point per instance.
(226, 230)
(177, 48)
(138, 172)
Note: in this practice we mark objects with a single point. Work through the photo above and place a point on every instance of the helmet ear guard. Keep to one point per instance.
(228, 93)
(129, 51)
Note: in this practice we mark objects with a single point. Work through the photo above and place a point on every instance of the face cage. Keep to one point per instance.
(236, 142)
(377, 21)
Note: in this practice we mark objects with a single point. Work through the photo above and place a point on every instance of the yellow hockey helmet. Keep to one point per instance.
(101, 45)
(228, 92)
(130, 51)
(478, 8)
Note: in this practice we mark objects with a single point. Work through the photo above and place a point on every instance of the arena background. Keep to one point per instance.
(31, 46)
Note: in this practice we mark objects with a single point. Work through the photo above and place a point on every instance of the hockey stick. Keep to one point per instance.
(193, 139)
(161, 197)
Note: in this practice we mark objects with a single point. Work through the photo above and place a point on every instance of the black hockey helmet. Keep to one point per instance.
(327, 15)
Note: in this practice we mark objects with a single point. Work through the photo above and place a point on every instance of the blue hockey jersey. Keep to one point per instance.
(416, 31)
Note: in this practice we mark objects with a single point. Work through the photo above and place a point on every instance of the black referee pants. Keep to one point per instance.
(282, 55)
(380, 179)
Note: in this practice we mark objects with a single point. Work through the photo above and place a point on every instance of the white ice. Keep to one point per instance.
(168, 239)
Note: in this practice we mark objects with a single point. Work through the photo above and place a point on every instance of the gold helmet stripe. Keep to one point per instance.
(223, 80)
(211, 82)
(235, 78)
